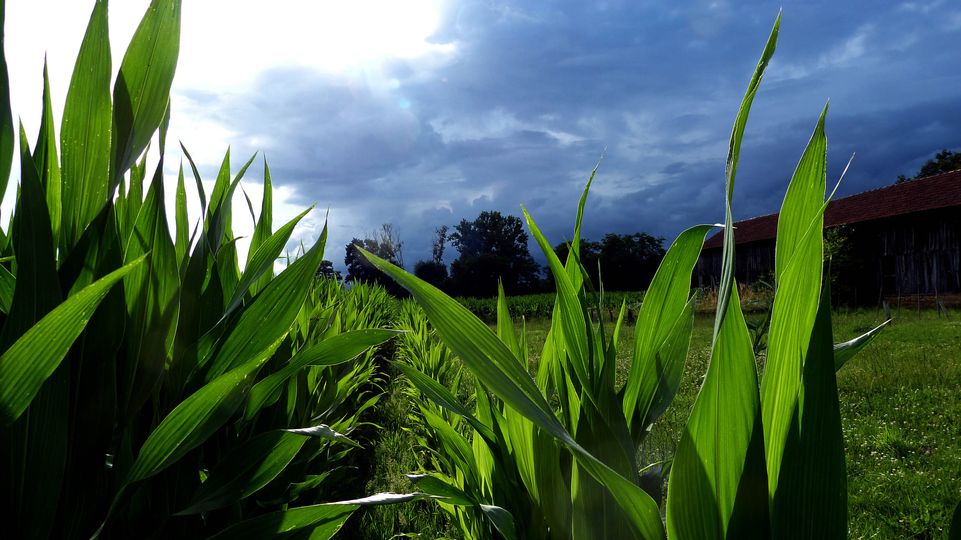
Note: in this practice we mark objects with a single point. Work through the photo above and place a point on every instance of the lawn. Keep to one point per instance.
(901, 414)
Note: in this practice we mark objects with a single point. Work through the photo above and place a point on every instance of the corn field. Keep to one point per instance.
(152, 385)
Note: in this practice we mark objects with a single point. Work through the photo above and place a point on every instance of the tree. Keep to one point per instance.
(384, 243)
(326, 271)
(432, 272)
(944, 161)
(627, 261)
(490, 247)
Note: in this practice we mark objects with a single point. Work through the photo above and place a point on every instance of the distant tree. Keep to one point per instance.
(432, 272)
(384, 243)
(440, 242)
(627, 261)
(490, 247)
(326, 271)
(943, 161)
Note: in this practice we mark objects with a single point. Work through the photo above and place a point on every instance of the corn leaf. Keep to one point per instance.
(263, 230)
(152, 294)
(180, 219)
(86, 130)
(811, 498)
(717, 482)
(6, 117)
(261, 263)
(197, 417)
(324, 520)
(654, 376)
(38, 352)
(46, 160)
(497, 368)
(798, 269)
(848, 349)
(271, 314)
(245, 470)
(142, 90)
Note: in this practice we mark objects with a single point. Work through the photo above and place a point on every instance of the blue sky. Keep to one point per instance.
(428, 115)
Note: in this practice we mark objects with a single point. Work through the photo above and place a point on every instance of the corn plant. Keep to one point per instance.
(752, 462)
(146, 382)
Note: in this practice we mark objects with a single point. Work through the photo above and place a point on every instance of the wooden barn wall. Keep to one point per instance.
(907, 255)
(753, 261)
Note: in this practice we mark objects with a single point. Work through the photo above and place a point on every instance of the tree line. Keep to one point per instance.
(494, 247)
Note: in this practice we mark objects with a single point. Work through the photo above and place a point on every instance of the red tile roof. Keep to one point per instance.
(938, 191)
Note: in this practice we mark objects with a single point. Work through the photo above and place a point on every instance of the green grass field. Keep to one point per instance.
(901, 414)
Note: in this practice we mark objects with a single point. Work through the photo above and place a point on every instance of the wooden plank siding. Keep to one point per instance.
(914, 252)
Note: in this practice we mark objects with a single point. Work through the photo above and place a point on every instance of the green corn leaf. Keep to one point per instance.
(142, 90)
(271, 314)
(245, 470)
(654, 376)
(440, 395)
(497, 368)
(152, 294)
(438, 486)
(848, 349)
(180, 216)
(329, 352)
(446, 492)
(46, 160)
(38, 289)
(324, 520)
(798, 268)
(199, 183)
(811, 498)
(263, 230)
(7, 285)
(569, 310)
(717, 482)
(38, 352)
(196, 418)
(261, 263)
(6, 116)
(34, 446)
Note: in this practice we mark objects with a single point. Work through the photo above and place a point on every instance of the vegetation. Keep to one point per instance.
(490, 248)
(150, 384)
(942, 162)
(147, 383)
(623, 262)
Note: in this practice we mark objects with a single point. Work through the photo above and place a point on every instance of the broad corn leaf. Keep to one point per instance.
(846, 350)
(811, 498)
(6, 117)
(798, 271)
(46, 160)
(245, 470)
(654, 373)
(86, 130)
(716, 488)
(324, 520)
(142, 90)
(270, 316)
(197, 417)
(38, 352)
(152, 294)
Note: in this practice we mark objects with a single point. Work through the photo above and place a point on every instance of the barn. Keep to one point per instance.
(894, 242)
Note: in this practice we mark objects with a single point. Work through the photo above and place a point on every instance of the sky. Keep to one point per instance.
(426, 112)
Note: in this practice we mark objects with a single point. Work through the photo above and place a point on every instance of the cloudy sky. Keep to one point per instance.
(422, 113)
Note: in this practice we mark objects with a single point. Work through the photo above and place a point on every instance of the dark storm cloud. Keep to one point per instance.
(535, 94)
